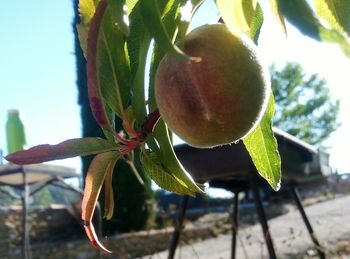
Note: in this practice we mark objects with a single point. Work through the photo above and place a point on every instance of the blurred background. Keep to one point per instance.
(38, 73)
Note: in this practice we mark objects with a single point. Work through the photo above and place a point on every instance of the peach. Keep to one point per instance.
(219, 99)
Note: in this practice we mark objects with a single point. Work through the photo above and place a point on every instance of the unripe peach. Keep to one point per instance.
(219, 99)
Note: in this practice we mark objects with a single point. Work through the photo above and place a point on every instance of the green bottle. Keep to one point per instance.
(14, 132)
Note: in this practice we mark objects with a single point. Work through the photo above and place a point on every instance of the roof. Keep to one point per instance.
(11, 174)
(233, 163)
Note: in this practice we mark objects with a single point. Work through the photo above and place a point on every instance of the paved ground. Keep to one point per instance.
(330, 220)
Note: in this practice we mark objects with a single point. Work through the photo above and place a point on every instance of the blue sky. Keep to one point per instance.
(37, 72)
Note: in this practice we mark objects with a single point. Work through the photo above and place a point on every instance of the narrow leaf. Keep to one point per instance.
(109, 195)
(119, 13)
(138, 34)
(91, 234)
(135, 171)
(87, 10)
(137, 48)
(65, 149)
(169, 18)
(300, 14)
(161, 177)
(334, 12)
(152, 19)
(242, 16)
(262, 147)
(138, 86)
(256, 22)
(94, 88)
(83, 31)
(108, 70)
(93, 184)
(130, 4)
(94, 180)
(278, 15)
(169, 159)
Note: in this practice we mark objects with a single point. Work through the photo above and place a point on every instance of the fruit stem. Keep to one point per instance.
(147, 127)
(150, 123)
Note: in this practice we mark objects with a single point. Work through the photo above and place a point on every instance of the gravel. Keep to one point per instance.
(330, 220)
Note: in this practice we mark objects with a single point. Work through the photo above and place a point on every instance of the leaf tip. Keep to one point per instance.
(90, 232)
(15, 158)
(276, 186)
(9, 158)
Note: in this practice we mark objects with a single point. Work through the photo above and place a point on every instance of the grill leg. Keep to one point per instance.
(234, 224)
(262, 216)
(178, 228)
(297, 200)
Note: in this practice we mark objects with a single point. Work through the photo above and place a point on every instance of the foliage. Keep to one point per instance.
(303, 104)
(116, 53)
(132, 210)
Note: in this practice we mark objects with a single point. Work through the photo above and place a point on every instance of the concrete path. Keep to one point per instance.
(330, 220)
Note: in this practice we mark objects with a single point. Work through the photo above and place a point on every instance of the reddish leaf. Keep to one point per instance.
(65, 149)
(94, 89)
(93, 184)
(90, 232)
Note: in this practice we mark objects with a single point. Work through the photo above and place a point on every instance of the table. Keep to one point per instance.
(230, 167)
(30, 179)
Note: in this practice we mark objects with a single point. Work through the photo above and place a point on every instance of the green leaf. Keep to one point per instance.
(161, 177)
(93, 184)
(152, 19)
(119, 14)
(170, 16)
(135, 171)
(83, 31)
(138, 34)
(278, 15)
(247, 17)
(97, 104)
(160, 140)
(109, 195)
(130, 5)
(262, 147)
(86, 10)
(334, 12)
(256, 22)
(108, 70)
(65, 149)
(137, 47)
(138, 86)
(299, 13)
(242, 15)
(169, 159)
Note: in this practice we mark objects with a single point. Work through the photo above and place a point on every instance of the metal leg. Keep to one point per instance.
(297, 200)
(262, 216)
(178, 228)
(234, 224)
(25, 236)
